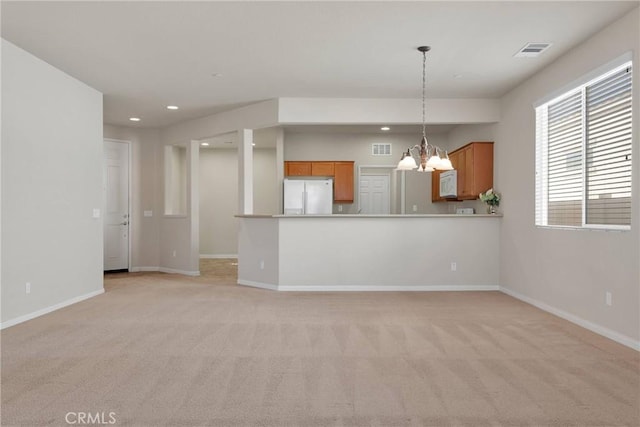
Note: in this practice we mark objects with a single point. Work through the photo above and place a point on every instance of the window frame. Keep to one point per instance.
(542, 150)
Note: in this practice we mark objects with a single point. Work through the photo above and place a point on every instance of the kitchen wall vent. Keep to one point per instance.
(380, 149)
(531, 50)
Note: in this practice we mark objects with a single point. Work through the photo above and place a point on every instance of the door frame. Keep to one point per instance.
(129, 199)
(385, 170)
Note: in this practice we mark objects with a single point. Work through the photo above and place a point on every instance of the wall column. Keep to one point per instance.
(245, 171)
(280, 166)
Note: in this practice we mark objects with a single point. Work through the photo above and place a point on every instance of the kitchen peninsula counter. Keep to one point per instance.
(345, 252)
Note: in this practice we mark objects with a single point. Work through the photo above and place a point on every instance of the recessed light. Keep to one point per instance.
(134, 119)
(253, 144)
(172, 107)
(204, 144)
(457, 76)
(385, 128)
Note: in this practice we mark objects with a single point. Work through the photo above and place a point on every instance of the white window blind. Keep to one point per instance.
(583, 154)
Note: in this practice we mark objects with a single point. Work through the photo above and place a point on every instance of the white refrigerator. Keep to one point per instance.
(308, 196)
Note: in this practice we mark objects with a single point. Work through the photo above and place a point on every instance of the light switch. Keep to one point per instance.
(148, 214)
(96, 213)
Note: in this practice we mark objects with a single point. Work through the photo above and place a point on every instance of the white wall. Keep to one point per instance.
(388, 111)
(146, 188)
(266, 189)
(218, 202)
(179, 237)
(352, 252)
(568, 271)
(51, 182)
(219, 196)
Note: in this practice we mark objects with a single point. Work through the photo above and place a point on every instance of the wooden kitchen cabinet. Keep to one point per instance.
(297, 168)
(322, 168)
(341, 172)
(343, 182)
(474, 163)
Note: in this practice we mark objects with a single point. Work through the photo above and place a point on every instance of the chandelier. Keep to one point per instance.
(431, 157)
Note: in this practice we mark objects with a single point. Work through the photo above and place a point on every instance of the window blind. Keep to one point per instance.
(608, 168)
(565, 181)
(583, 154)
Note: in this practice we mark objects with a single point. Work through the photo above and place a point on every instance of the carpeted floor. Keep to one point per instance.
(168, 350)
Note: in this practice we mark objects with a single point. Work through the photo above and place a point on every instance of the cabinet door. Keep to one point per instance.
(343, 182)
(483, 167)
(297, 168)
(469, 177)
(322, 168)
(474, 163)
(458, 160)
(435, 187)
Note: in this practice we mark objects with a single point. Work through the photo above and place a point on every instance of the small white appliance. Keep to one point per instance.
(449, 184)
(308, 196)
(465, 211)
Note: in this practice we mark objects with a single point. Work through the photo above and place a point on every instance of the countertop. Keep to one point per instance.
(371, 216)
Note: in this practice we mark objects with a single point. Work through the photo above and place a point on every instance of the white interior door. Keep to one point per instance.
(375, 194)
(116, 210)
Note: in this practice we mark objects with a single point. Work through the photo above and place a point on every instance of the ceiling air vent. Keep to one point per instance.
(381, 149)
(531, 50)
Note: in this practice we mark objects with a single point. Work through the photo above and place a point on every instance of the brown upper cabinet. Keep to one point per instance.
(322, 168)
(474, 163)
(341, 172)
(343, 182)
(297, 168)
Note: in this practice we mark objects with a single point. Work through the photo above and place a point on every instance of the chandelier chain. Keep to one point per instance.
(424, 84)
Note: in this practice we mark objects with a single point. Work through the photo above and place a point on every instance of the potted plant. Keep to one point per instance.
(492, 199)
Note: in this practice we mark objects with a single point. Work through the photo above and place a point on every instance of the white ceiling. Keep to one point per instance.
(146, 55)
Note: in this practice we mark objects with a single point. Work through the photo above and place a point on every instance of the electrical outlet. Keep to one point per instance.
(339, 208)
(454, 266)
(261, 265)
(174, 253)
(608, 299)
(27, 288)
(415, 208)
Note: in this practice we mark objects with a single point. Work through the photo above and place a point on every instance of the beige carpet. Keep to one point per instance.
(167, 350)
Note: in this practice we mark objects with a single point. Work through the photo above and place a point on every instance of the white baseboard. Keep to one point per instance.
(164, 270)
(141, 269)
(364, 288)
(257, 284)
(49, 309)
(218, 256)
(386, 288)
(175, 271)
(593, 327)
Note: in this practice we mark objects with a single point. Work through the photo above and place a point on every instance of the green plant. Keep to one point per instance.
(490, 197)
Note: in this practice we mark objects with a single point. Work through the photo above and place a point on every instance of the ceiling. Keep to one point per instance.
(207, 57)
